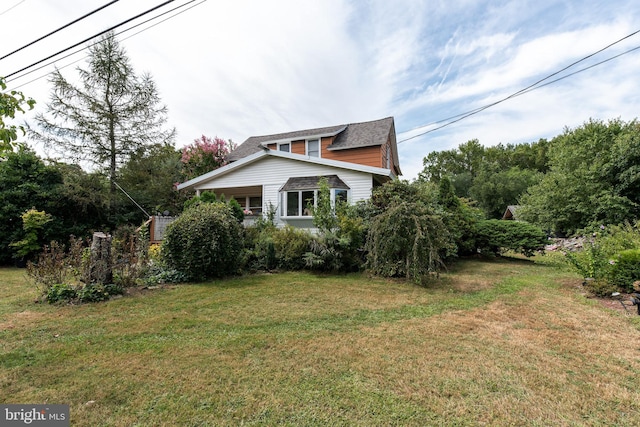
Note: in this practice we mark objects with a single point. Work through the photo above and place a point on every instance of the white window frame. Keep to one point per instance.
(306, 146)
(282, 144)
(301, 207)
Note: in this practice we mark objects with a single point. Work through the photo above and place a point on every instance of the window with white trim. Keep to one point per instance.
(313, 148)
(284, 147)
(300, 203)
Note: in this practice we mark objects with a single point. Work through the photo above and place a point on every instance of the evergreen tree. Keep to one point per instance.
(109, 116)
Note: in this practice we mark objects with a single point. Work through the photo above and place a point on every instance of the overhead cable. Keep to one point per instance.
(59, 29)
(527, 89)
(92, 37)
(116, 34)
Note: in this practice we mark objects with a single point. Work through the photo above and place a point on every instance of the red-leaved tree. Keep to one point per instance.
(205, 155)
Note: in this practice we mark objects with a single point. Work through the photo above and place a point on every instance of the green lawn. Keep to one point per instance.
(504, 342)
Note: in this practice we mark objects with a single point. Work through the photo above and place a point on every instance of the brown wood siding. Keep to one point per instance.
(298, 147)
(368, 156)
(272, 146)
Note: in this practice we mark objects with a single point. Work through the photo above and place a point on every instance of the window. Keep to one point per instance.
(300, 203)
(284, 147)
(313, 148)
(255, 205)
(299, 195)
(340, 195)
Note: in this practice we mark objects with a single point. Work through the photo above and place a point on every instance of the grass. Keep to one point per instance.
(503, 342)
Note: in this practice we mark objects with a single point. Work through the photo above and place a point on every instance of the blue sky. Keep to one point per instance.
(241, 68)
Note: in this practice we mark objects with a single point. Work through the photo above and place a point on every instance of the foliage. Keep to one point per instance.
(592, 180)
(324, 215)
(494, 190)
(204, 242)
(608, 257)
(130, 253)
(625, 269)
(289, 245)
(494, 177)
(211, 197)
(406, 240)
(26, 182)
(110, 116)
(33, 221)
(459, 218)
(61, 292)
(96, 292)
(149, 177)
(51, 268)
(11, 103)
(340, 240)
(496, 236)
(204, 155)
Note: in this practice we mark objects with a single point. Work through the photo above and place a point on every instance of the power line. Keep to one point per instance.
(92, 37)
(61, 28)
(527, 89)
(117, 34)
(15, 5)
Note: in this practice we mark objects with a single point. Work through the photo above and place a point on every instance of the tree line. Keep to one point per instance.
(585, 177)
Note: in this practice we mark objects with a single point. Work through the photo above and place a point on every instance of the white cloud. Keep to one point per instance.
(240, 68)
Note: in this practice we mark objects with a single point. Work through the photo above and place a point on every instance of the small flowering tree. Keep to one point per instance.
(205, 155)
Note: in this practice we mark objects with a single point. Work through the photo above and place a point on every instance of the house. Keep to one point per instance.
(511, 212)
(282, 171)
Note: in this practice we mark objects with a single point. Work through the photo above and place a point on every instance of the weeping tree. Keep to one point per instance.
(110, 115)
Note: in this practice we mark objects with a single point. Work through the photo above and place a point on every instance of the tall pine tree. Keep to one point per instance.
(110, 115)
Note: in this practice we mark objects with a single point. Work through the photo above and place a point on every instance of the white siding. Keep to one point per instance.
(273, 172)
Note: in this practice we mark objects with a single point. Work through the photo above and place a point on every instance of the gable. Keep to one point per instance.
(273, 167)
(364, 143)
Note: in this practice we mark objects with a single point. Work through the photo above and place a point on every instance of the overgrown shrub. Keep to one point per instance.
(406, 240)
(289, 246)
(608, 256)
(204, 242)
(625, 269)
(496, 236)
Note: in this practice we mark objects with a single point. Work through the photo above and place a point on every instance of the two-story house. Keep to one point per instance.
(281, 172)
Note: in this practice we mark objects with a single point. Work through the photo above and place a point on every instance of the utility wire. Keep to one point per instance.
(93, 44)
(527, 89)
(59, 29)
(92, 37)
(15, 5)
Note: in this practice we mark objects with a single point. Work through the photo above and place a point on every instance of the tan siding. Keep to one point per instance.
(368, 156)
(298, 147)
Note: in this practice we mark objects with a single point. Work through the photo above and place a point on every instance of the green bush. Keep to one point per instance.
(496, 236)
(60, 292)
(96, 292)
(289, 246)
(406, 240)
(204, 242)
(625, 269)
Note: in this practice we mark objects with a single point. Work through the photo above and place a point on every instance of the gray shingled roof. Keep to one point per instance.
(350, 136)
(311, 182)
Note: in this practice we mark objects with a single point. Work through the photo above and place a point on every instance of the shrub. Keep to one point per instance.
(625, 269)
(601, 255)
(406, 240)
(96, 292)
(289, 246)
(60, 292)
(204, 242)
(495, 236)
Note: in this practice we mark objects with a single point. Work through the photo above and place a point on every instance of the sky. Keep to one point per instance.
(239, 68)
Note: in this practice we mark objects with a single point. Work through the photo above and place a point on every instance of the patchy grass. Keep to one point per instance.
(503, 342)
